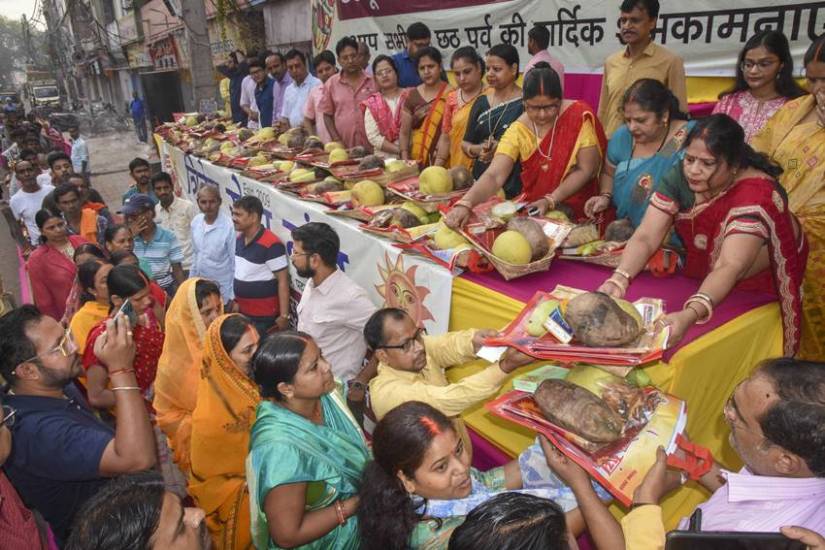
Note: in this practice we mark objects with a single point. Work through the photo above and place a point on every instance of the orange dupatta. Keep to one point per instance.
(221, 424)
(88, 225)
(178, 371)
(425, 138)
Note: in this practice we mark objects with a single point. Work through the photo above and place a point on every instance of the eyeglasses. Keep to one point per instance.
(66, 346)
(763, 65)
(407, 346)
(536, 108)
(8, 416)
(734, 420)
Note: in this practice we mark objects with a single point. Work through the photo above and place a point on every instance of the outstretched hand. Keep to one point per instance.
(568, 471)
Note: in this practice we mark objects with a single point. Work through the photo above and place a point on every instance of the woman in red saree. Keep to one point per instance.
(559, 143)
(424, 107)
(733, 218)
(384, 109)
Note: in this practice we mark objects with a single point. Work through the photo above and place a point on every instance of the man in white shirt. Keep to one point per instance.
(213, 242)
(333, 309)
(297, 93)
(29, 199)
(175, 214)
(247, 101)
(80, 152)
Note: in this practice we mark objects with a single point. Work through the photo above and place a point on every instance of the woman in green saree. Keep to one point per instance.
(306, 452)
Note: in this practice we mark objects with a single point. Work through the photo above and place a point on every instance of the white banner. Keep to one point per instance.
(708, 34)
(390, 277)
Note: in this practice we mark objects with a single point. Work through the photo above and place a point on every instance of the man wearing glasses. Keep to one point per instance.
(777, 427)
(63, 453)
(411, 366)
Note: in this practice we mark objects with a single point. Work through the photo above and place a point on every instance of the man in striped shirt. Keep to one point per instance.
(158, 246)
(261, 276)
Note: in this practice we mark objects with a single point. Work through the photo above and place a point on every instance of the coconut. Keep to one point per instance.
(245, 133)
(534, 234)
(370, 162)
(619, 230)
(404, 218)
(357, 152)
(599, 320)
(513, 248)
(416, 211)
(325, 186)
(311, 143)
(462, 178)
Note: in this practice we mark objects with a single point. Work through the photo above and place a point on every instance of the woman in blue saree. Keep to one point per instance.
(306, 452)
(641, 151)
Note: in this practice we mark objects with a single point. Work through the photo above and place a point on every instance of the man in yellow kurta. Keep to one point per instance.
(640, 58)
(411, 366)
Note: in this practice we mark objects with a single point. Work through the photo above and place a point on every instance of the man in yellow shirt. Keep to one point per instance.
(411, 366)
(640, 58)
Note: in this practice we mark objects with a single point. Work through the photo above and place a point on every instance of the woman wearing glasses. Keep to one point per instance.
(559, 144)
(306, 452)
(51, 266)
(383, 110)
(764, 82)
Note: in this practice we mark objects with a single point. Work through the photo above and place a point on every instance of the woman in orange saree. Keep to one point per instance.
(196, 304)
(221, 423)
(468, 68)
(425, 104)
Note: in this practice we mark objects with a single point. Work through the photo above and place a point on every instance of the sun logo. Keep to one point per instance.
(398, 289)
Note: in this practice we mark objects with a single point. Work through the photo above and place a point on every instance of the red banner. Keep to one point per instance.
(353, 9)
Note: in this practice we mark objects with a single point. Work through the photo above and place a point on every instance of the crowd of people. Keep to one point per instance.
(161, 392)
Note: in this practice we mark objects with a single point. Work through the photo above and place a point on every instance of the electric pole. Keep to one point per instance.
(193, 15)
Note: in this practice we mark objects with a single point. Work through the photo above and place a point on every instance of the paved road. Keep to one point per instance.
(110, 155)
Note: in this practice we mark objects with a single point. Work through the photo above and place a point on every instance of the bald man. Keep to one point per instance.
(213, 242)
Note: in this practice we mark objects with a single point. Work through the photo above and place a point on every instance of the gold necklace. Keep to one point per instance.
(549, 155)
(461, 96)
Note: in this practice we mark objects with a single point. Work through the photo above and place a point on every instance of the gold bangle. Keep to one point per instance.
(465, 203)
(623, 273)
(125, 388)
(705, 301)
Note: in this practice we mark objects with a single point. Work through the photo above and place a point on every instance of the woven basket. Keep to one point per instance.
(607, 260)
(507, 270)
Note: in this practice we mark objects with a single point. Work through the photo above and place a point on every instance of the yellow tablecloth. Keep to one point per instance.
(703, 373)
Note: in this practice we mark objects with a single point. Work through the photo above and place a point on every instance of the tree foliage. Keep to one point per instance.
(14, 52)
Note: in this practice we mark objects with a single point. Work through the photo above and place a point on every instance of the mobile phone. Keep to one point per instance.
(128, 310)
(722, 540)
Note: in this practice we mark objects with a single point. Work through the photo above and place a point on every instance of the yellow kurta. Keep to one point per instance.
(643, 528)
(392, 387)
(799, 148)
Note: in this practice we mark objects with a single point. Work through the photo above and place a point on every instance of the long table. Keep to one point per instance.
(703, 369)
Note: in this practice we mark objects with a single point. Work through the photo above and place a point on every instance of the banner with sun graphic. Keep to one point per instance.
(390, 277)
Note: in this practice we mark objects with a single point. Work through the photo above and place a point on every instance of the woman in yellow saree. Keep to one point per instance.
(425, 104)
(196, 304)
(221, 424)
(795, 138)
(468, 68)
